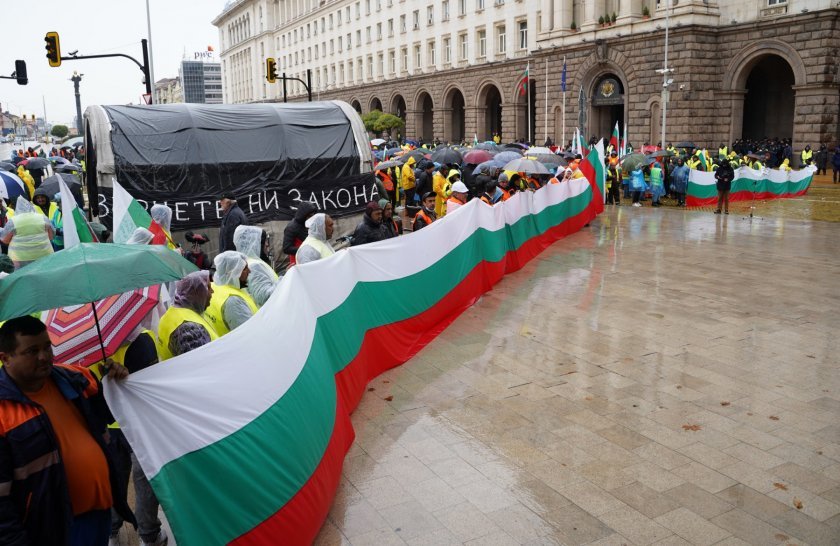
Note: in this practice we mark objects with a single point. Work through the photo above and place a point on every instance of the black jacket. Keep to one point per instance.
(37, 510)
(232, 219)
(296, 231)
(424, 183)
(368, 231)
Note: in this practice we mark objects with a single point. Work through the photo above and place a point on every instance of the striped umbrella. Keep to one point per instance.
(73, 333)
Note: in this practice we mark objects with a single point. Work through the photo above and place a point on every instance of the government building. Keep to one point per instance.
(457, 69)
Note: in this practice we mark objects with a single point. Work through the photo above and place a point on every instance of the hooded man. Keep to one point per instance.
(29, 234)
(232, 219)
(391, 222)
(316, 246)
(370, 229)
(184, 327)
(161, 225)
(252, 241)
(505, 187)
(425, 215)
(679, 181)
(230, 306)
(424, 181)
(42, 203)
(806, 157)
(296, 231)
(407, 180)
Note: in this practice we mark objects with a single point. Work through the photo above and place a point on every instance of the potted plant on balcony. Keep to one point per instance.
(601, 21)
(573, 27)
(645, 12)
(613, 18)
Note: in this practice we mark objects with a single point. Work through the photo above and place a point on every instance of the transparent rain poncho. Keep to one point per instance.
(262, 279)
(25, 248)
(162, 215)
(140, 236)
(229, 267)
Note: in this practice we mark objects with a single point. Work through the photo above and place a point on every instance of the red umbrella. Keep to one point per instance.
(477, 157)
(73, 333)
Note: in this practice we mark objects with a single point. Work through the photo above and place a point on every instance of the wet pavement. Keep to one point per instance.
(664, 376)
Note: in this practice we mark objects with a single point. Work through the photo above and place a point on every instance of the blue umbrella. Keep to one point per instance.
(11, 186)
(489, 166)
(506, 157)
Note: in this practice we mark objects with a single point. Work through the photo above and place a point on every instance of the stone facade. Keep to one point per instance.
(706, 103)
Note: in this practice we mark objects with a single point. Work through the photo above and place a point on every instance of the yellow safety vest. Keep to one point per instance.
(319, 245)
(215, 314)
(806, 156)
(172, 319)
(722, 152)
(30, 241)
(254, 261)
(52, 210)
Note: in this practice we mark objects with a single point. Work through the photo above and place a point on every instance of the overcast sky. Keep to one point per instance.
(97, 27)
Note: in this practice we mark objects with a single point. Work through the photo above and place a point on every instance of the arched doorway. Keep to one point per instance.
(526, 111)
(375, 104)
(357, 106)
(606, 106)
(425, 117)
(398, 106)
(455, 123)
(489, 103)
(769, 102)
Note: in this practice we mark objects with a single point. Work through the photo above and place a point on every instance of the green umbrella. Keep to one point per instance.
(631, 162)
(86, 273)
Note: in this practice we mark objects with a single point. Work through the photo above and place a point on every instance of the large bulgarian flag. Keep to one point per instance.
(129, 215)
(748, 184)
(74, 224)
(243, 439)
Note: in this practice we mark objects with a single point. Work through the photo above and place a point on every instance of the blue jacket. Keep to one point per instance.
(35, 508)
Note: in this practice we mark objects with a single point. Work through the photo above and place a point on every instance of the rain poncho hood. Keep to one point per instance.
(23, 206)
(162, 215)
(229, 266)
(191, 292)
(140, 236)
(248, 241)
(317, 226)
(304, 210)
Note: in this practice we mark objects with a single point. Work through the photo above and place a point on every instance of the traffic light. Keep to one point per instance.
(20, 72)
(271, 70)
(53, 49)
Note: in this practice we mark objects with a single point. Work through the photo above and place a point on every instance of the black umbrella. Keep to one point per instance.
(37, 163)
(516, 145)
(68, 168)
(489, 146)
(50, 185)
(388, 164)
(6, 166)
(446, 155)
(686, 144)
(416, 154)
(662, 153)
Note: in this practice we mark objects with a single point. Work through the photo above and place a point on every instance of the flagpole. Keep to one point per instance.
(563, 143)
(528, 90)
(546, 99)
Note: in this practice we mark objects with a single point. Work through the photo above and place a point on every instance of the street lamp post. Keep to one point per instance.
(76, 79)
(665, 71)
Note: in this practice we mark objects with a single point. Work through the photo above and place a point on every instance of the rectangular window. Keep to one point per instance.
(349, 43)
(340, 41)
(390, 27)
(367, 34)
(523, 34)
(360, 70)
(416, 20)
(464, 47)
(367, 7)
(392, 62)
(432, 54)
(378, 31)
(430, 15)
(462, 7)
(359, 37)
(444, 10)
(482, 43)
(350, 71)
(358, 10)
(499, 2)
(338, 17)
(501, 40)
(347, 14)
(418, 57)
(370, 67)
(380, 64)
(404, 56)
(479, 5)
(447, 50)
(332, 47)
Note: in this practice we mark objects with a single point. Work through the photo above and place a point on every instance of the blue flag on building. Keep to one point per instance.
(563, 77)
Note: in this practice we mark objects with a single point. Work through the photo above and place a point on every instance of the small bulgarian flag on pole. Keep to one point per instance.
(523, 83)
(614, 138)
(129, 215)
(75, 225)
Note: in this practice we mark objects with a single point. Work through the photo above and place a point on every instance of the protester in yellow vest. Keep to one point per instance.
(439, 186)
(41, 200)
(785, 166)
(184, 327)
(806, 156)
(316, 246)
(723, 151)
(28, 234)
(230, 306)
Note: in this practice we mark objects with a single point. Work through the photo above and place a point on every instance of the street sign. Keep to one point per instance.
(147, 98)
